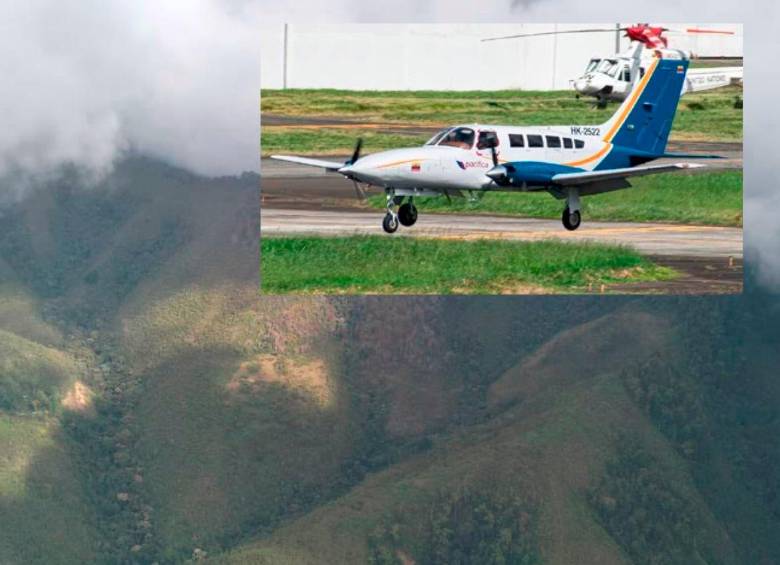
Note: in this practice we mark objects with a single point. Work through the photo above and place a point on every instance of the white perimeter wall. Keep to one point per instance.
(449, 56)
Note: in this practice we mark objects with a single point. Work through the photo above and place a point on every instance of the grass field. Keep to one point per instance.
(702, 198)
(376, 264)
(713, 115)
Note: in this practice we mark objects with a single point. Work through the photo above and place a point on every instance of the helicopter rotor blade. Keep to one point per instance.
(700, 30)
(592, 30)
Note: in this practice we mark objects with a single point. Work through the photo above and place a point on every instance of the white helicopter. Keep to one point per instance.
(566, 161)
(609, 79)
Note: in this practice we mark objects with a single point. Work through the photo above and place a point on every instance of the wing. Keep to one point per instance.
(329, 165)
(572, 179)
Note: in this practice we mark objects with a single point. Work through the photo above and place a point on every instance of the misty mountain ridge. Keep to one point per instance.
(154, 408)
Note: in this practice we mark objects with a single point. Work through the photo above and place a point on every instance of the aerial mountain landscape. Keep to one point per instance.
(154, 407)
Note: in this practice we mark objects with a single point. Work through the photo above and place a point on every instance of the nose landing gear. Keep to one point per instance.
(406, 215)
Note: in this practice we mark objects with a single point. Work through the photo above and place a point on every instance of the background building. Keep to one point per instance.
(449, 56)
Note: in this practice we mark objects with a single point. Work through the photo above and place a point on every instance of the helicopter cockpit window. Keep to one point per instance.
(605, 66)
(487, 139)
(436, 138)
(626, 74)
(579, 144)
(567, 143)
(592, 65)
(462, 138)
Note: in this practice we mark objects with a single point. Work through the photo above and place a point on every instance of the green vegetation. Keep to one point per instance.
(32, 377)
(421, 265)
(700, 198)
(460, 527)
(44, 512)
(715, 115)
(332, 141)
(645, 512)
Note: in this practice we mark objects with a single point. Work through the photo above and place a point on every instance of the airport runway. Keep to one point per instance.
(648, 239)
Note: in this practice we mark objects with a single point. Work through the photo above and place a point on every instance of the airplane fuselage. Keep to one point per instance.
(537, 152)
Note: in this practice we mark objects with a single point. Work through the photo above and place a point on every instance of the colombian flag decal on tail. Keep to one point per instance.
(680, 69)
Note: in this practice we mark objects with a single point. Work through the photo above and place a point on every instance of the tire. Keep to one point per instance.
(571, 220)
(390, 223)
(407, 214)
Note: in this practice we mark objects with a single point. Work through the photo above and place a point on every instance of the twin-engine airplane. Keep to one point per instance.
(566, 161)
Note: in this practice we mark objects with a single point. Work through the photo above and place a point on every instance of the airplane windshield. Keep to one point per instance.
(462, 138)
(436, 138)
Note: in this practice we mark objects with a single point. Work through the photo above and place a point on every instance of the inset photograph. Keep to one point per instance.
(502, 159)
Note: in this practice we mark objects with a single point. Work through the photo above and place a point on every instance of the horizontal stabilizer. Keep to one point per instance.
(571, 179)
(329, 165)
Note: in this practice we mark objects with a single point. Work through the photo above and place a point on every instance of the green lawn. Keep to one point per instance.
(710, 115)
(699, 198)
(384, 264)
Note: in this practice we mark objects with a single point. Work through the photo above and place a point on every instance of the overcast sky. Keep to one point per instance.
(82, 81)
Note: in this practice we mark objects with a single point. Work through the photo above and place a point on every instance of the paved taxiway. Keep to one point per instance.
(648, 239)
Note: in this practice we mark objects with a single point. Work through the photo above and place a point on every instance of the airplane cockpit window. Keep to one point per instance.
(462, 138)
(592, 65)
(487, 139)
(436, 138)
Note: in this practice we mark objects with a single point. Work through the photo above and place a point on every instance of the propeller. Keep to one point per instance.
(359, 192)
(356, 152)
(499, 172)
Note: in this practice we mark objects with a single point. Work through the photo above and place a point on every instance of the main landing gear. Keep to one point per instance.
(406, 215)
(571, 217)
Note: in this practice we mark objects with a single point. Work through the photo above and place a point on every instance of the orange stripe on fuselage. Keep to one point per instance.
(590, 158)
(634, 97)
(399, 163)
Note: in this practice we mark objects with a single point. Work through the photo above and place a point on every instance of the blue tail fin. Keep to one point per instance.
(643, 122)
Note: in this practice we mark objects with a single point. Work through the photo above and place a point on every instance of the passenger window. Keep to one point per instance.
(516, 140)
(553, 142)
(487, 139)
(579, 144)
(567, 142)
(626, 76)
(535, 141)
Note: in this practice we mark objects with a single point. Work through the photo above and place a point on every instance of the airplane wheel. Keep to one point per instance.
(407, 214)
(390, 223)
(571, 220)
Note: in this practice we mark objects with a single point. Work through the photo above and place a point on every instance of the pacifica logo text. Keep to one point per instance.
(473, 164)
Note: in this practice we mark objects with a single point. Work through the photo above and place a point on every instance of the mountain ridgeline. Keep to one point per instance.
(154, 407)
